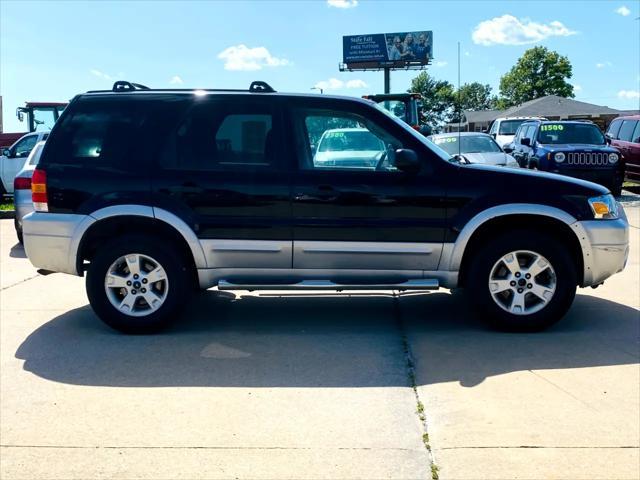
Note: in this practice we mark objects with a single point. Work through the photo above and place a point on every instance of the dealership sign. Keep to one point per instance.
(388, 49)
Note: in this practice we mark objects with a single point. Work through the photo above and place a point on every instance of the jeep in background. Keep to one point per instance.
(153, 193)
(624, 134)
(574, 148)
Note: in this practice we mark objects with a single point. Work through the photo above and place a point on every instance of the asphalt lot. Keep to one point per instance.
(315, 386)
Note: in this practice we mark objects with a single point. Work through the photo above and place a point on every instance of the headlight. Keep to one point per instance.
(559, 157)
(613, 157)
(604, 207)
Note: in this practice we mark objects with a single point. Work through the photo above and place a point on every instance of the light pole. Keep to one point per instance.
(318, 88)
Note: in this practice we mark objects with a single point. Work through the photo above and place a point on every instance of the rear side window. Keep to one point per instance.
(614, 128)
(626, 130)
(97, 133)
(221, 135)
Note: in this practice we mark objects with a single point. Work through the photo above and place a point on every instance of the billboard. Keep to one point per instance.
(388, 49)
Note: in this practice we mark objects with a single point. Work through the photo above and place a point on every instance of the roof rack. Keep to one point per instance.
(124, 86)
(255, 87)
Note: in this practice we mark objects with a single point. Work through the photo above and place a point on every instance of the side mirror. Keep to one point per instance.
(407, 160)
(526, 141)
(6, 152)
(508, 148)
(607, 138)
(494, 135)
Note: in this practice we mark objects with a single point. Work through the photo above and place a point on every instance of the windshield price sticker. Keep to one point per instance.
(548, 128)
(446, 140)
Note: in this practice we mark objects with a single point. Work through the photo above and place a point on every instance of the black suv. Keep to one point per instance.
(576, 148)
(155, 192)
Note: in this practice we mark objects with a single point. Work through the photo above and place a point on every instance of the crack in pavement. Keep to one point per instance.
(20, 282)
(411, 374)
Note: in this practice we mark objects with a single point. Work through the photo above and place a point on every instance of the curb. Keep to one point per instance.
(7, 214)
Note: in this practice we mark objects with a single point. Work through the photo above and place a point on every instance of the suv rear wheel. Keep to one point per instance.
(137, 284)
(522, 281)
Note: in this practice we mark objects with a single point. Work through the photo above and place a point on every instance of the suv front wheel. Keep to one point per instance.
(137, 284)
(522, 281)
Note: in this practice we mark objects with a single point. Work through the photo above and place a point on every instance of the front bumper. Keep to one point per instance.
(605, 247)
(607, 177)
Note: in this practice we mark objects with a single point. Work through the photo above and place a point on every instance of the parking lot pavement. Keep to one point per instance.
(560, 404)
(313, 386)
(247, 387)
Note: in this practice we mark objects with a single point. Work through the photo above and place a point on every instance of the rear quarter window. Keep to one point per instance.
(97, 132)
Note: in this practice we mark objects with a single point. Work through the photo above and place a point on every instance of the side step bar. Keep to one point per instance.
(422, 284)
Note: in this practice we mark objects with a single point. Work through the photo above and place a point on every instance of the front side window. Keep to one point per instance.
(341, 140)
(636, 133)
(216, 136)
(626, 130)
(24, 146)
(614, 128)
(560, 134)
(509, 127)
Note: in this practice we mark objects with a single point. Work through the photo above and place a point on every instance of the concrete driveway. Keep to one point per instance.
(315, 386)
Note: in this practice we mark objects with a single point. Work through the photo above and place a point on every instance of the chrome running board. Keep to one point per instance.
(422, 284)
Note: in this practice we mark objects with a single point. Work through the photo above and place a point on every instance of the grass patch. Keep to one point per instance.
(434, 472)
(6, 206)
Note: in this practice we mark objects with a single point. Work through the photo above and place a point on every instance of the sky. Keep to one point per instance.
(51, 50)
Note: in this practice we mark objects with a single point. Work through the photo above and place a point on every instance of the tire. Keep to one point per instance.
(556, 282)
(18, 231)
(168, 294)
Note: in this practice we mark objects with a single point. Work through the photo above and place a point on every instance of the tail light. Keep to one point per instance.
(22, 183)
(416, 127)
(39, 191)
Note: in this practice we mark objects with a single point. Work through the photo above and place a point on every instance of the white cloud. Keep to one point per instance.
(335, 84)
(99, 74)
(176, 80)
(356, 84)
(603, 64)
(509, 30)
(342, 3)
(241, 57)
(441, 64)
(623, 10)
(629, 94)
(467, 54)
(577, 87)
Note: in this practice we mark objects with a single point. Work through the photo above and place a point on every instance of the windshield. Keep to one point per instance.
(468, 144)
(350, 140)
(396, 107)
(557, 133)
(509, 127)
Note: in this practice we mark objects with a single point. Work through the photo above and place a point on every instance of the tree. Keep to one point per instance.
(475, 96)
(539, 72)
(438, 99)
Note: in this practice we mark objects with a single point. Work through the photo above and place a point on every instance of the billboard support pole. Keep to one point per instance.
(387, 80)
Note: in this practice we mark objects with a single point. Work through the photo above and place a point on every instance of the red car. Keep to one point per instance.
(624, 134)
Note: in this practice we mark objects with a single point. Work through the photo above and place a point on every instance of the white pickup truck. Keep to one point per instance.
(13, 158)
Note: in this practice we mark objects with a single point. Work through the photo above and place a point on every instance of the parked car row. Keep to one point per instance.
(13, 159)
(624, 134)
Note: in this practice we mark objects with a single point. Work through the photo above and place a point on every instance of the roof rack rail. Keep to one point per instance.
(124, 86)
(260, 87)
